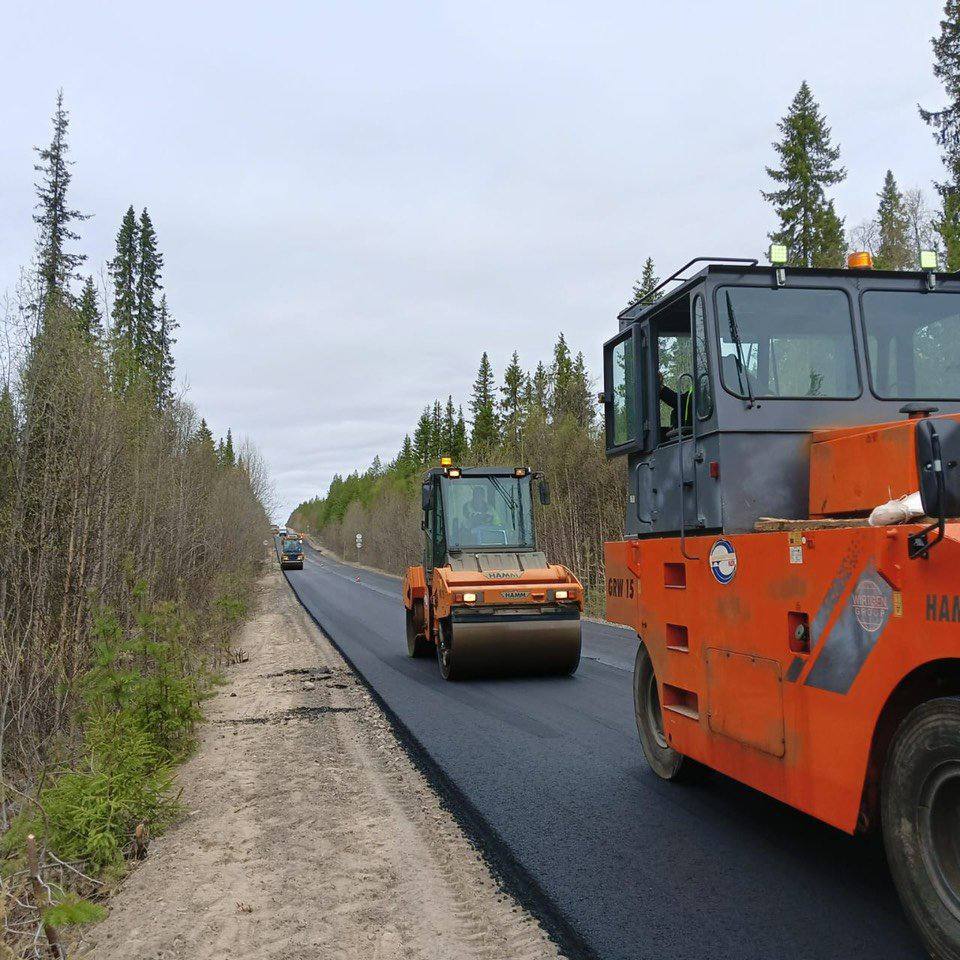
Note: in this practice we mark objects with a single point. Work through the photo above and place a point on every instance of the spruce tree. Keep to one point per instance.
(89, 317)
(203, 442)
(57, 265)
(449, 429)
(561, 380)
(511, 399)
(124, 275)
(227, 456)
(422, 440)
(581, 397)
(646, 284)
(460, 445)
(166, 324)
(436, 432)
(946, 129)
(895, 248)
(405, 458)
(486, 432)
(539, 390)
(809, 226)
(147, 345)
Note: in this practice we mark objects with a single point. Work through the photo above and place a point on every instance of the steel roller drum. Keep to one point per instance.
(514, 645)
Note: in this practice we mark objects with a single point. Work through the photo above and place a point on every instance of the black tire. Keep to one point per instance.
(920, 807)
(445, 652)
(417, 644)
(665, 762)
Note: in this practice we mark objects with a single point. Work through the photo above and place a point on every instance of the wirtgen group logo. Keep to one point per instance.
(870, 606)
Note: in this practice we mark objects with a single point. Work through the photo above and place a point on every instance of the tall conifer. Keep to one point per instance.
(946, 129)
(57, 264)
(894, 248)
(809, 225)
(486, 430)
(646, 284)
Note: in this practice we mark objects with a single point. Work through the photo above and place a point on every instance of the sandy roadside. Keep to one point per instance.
(310, 834)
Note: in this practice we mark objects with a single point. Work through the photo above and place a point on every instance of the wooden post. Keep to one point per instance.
(42, 898)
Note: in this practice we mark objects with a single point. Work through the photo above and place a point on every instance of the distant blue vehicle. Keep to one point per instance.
(291, 553)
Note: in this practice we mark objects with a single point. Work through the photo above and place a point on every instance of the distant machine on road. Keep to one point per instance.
(486, 601)
(784, 640)
(290, 551)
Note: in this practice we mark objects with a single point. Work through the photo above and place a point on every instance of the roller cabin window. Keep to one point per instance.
(488, 512)
(792, 344)
(913, 344)
(624, 393)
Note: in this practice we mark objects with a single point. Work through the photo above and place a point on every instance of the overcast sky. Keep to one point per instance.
(355, 199)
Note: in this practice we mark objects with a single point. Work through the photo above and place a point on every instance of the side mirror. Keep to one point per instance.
(544, 489)
(938, 454)
(425, 497)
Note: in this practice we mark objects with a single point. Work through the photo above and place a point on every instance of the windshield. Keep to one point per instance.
(913, 344)
(292, 546)
(487, 512)
(786, 343)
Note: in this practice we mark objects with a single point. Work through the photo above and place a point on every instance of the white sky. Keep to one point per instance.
(355, 199)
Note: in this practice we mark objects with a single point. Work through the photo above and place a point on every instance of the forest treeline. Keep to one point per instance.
(128, 540)
(544, 417)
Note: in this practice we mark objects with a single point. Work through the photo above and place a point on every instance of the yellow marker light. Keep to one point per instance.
(446, 461)
(860, 260)
(561, 594)
(469, 597)
(453, 472)
(778, 254)
(928, 260)
(520, 472)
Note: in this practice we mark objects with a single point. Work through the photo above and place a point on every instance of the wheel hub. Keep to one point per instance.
(939, 828)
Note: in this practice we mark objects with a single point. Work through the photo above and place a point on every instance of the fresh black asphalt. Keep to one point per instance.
(637, 868)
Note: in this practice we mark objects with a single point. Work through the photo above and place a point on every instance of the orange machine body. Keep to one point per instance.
(854, 469)
(495, 589)
(785, 659)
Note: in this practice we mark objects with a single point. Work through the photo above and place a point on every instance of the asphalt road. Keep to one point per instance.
(636, 867)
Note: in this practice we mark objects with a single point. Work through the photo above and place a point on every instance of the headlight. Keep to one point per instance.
(561, 594)
(469, 598)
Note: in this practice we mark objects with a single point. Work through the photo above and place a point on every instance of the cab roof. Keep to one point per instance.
(751, 268)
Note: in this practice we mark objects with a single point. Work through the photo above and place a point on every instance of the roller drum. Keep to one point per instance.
(514, 646)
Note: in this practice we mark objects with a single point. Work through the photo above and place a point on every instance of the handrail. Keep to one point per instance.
(675, 276)
(683, 482)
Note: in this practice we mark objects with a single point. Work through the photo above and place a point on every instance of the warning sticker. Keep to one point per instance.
(796, 554)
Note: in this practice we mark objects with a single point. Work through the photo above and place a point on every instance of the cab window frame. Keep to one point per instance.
(764, 398)
(865, 332)
(638, 442)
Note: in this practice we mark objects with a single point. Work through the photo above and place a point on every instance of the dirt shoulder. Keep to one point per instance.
(310, 834)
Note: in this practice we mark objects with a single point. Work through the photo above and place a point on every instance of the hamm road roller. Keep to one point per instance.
(485, 601)
(790, 635)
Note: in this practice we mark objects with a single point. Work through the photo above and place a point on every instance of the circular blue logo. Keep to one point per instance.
(723, 561)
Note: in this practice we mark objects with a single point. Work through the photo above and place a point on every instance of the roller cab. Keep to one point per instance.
(485, 601)
(784, 639)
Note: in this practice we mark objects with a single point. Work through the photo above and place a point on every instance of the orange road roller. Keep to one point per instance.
(791, 564)
(485, 601)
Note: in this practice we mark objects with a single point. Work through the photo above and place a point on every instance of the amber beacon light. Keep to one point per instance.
(860, 260)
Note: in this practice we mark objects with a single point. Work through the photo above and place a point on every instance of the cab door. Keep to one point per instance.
(627, 419)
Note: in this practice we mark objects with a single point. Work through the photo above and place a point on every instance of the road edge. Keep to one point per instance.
(503, 865)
